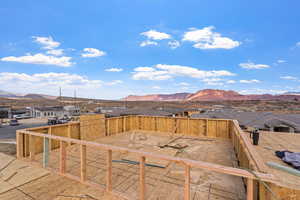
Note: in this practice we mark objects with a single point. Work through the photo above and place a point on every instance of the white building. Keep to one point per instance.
(44, 112)
(55, 111)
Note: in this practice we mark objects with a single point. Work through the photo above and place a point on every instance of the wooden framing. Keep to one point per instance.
(188, 164)
(246, 154)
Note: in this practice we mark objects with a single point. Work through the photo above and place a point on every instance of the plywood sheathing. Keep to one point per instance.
(32, 185)
(159, 182)
(270, 142)
(17, 173)
(92, 126)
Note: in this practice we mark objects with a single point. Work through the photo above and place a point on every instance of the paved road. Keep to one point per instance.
(9, 132)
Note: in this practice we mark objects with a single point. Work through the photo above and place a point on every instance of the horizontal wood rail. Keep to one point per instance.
(249, 175)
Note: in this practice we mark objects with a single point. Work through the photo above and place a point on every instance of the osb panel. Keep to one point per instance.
(222, 127)
(58, 131)
(183, 126)
(212, 128)
(197, 127)
(92, 126)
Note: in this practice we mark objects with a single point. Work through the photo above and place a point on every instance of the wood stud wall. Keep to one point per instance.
(28, 145)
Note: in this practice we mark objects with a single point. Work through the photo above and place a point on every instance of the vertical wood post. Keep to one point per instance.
(124, 123)
(63, 154)
(82, 163)
(117, 125)
(188, 126)
(206, 128)
(109, 171)
(20, 144)
(31, 147)
(69, 132)
(250, 189)
(187, 185)
(46, 152)
(142, 178)
(49, 140)
(107, 128)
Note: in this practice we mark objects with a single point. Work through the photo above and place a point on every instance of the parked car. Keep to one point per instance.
(14, 122)
(52, 121)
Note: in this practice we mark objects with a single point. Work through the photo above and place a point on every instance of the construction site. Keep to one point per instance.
(147, 157)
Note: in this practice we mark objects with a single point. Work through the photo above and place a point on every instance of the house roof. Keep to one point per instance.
(53, 108)
(259, 120)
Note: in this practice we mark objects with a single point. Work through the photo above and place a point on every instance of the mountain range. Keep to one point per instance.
(201, 95)
(212, 95)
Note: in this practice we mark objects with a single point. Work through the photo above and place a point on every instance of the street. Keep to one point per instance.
(9, 132)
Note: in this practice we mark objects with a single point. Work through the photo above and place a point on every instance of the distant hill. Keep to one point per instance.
(212, 95)
(292, 93)
(6, 94)
(159, 97)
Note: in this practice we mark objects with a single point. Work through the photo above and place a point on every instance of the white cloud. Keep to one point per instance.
(114, 82)
(251, 65)
(249, 81)
(207, 39)
(55, 52)
(183, 84)
(46, 82)
(92, 52)
(155, 35)
(298, 44)
(46, 42)
(164, 72)
(231, 81)
(213, 81)
(144, 69)
(114, 69)
(148, 43)
(262, 91)
(173, 44)
(41, 59)
(289, 78)
(281, 61)
(156, 87)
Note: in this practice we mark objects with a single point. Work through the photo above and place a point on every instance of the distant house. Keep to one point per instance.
(109, 109)
(5, 112)
(266, 121)
(43, 112)
(72, 110)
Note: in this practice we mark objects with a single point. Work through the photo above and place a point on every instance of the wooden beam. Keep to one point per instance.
(20, 144)
(83, 163)
(109, 171)
(187, 183)
(46, 152)
(250, 188)
(255, 157)
(32, 147)
(63, 154)
(142, 178)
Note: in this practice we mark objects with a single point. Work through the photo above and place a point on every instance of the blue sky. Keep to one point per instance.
(115, 48)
